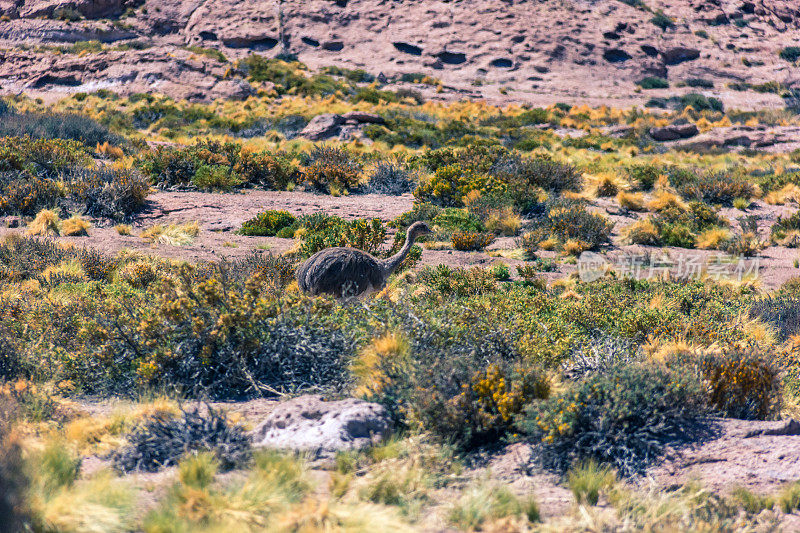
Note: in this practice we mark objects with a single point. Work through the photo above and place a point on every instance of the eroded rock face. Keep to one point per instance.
(309, 423)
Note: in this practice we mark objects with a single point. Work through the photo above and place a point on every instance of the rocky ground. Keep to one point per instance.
(221, 215)
(521, 51)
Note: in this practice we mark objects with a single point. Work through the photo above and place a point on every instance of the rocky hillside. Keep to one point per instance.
(525, 50)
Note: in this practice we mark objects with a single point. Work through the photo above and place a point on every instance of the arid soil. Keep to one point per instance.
(526, 51)
(221, 215)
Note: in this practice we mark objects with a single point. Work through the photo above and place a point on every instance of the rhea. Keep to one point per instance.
(348, 272)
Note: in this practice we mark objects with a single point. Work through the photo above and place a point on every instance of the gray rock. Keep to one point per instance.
(673, 56)
(673, 132)
(361, 117)
(323, 127)
(309, 423)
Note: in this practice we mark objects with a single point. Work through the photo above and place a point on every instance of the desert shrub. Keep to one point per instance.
(675, 225)
(565, 221)
(663, 21)
(652, 82)
(105, 192)
(746, 243)
(457, 281)
(267, 223)
(163, 440)
(540, 172)
(741, 382)
(452, 219)
(785, 225)
(43, 158)
(699, 82)
(364, 234)
(781, 311)
(623, 418)
(208, 332)
(790, 53)
(332, 168)
(215, 178)
(643, 177)
(138, 274)
(447, 187)
(391, 177)
(469, 240)
(25, 195)
(717, 188)
(219, 165)
(58, 126)
(700, 102)
(421, 211)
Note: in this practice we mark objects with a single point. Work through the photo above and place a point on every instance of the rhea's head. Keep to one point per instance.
(418, 229)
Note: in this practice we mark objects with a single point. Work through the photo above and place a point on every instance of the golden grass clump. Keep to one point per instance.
(576, 247)
(46, 224)
(75, 226)
(664, 199)
(789, 193)
(632, 201)
(385, 357)
(642, 232)
(712, 239)
(172, 235)
(124, 229)
(503, 221)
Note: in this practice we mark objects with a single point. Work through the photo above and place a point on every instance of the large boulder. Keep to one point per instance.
(679, 54)
(312, 424)
(323, 127)
(673, 132)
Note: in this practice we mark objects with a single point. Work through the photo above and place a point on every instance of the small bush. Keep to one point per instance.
(267, 223)
(566, 221)
(58, 126)
(742, 383)
(790, 54)
(453, 219)
(624, 418)
(661, 20)
(700, 82)
(163, 440)
(332, 168)
(643, 177)
(717, 188)
(470, 241)
(215, 178)
(653, 83)
(391, 177)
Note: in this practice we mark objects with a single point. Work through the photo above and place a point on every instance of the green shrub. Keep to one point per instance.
(421, 211)
(332, 168)
(215, 178)
(457, 281)
(58, 126)
(741, 383)
(267, 223)
(163, 440)
(700, 82)
(447, 187)
(453, 219)
(661, 20)
(717, 188)
(643, 177)
(391, 177)
(565, 221)
(790, 53)
(699, 102)
(623, 418)
(364, 234)
(470, 241)
(653, 82)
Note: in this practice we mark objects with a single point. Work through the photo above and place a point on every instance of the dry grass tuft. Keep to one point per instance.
(632, 201)
(713, 238)
(75, 226)
(664, 199)
(124, 229)
(172, 235)
(46, 224)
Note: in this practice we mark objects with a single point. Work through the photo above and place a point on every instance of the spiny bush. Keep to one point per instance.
(781, 311)
(391, 177)
(624, 418)
(42, 158)
(221, 165)
(565, 221)
(790, 53)
(421, 211)
(675, 225)
(784, 226)
(717, 188)
(742, 382)
(267, 223)
(653, 82)
(163, 440)
(453, 219)
(206, 331)
(468, 241)
(364, 234)
(643, 177)
(58, 126)
(332, 168)
(105, 192)
(457, 281)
